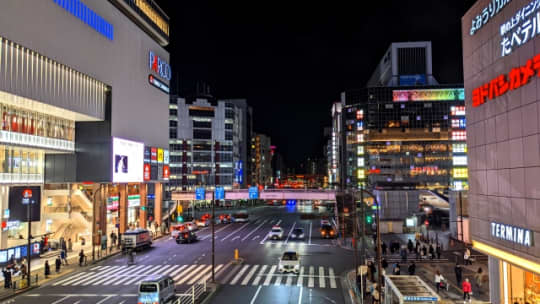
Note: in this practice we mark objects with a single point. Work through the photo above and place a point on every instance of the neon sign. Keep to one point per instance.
(88, 16)
(158, 83)
(512, 234)
(428, 95)
(159, 66)
(501, 84)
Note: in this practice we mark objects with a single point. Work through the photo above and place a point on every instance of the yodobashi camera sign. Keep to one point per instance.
(127, 161)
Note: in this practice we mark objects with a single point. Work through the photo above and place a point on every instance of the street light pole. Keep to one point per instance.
(213, 240)
(29, 246)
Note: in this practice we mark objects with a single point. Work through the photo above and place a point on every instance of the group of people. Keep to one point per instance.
(420, 249)
(13, 269)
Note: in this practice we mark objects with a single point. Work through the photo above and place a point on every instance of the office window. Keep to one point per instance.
(202, 134)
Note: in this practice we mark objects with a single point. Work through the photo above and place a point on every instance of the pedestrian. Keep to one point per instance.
(438, 249)
(70, 245)
(424, 251)
(417, 245)
(431, 252)
(47, 269)
(439, 279)
(63, 257)
(459, 272)
(403, 254)
(23, 271)
(372, 271)
(81, 258)
(57, 264)
(479, 279)
(384, 263)
(412, 268)
(467, 289)
(410, 246)
(467, 257)
(6, 273)
(397, 269)
(383, 248)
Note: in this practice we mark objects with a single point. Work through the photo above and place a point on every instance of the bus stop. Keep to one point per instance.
(408, 289)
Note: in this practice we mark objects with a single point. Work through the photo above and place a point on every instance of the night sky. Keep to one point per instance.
(291, 61)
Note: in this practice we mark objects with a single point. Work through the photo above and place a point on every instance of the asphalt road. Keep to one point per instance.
(256, 280)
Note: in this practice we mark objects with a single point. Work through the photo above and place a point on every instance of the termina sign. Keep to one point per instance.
(512, 234)
(159, 66)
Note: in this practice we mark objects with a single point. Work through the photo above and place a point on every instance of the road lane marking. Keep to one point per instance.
(255, 296)
(249, 275)
(146, 272)
(200, 274)
(235, 238)
(290, 232)
(311, 281)
(171, 268)
(70, 278)
(269, 275)
(222, 271)
(300, 296)
(122, 302)
(231, 273)
(102, 277)
(332, 278)
(132, 272)
(178, 270)
(215, 232)
(176, 278)
(232, 233)
(103, 300)
(322, 282)
(289, 280)
(259, 275)
(77, 302)
(244, 238)
(278, 222)
(255, 237)
(199, 268)
(300, 277)
(310, 228)
(278, 280)
(239, 274)
(263, 240)
(62, 299)
(208, 276)
(96, 268)
(91, 277)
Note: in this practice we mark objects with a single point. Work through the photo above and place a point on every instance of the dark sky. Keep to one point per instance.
(291, 60)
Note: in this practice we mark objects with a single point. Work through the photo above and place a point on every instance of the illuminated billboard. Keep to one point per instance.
(428, 95)
(127, 161)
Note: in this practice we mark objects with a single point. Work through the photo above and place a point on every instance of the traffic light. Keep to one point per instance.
(180, 219)
(369, 219)
(143, 208)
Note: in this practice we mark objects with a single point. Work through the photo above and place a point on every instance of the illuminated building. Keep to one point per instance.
(83, 101)
(261, 160)
(208, 138)
(501, 63)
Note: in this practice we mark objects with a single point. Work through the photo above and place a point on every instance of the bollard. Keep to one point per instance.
(236, 254)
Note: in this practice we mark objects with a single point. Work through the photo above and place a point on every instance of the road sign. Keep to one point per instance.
(200, 194)
(253, 193)
(220, 193)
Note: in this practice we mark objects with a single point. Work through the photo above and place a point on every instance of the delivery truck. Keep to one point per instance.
(136, 239)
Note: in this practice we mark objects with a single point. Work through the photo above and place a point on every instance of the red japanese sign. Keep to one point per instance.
(166, 172)
(501, 84)
(146, 172)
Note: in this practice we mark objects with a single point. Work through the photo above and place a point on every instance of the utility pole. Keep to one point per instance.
(363, 219)
(355, 234)
(379, 252)
(461, 216)
(29, 246)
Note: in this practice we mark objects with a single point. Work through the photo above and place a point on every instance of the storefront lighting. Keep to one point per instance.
(508, 257)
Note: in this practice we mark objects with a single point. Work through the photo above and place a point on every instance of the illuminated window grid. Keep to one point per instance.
(462, 173)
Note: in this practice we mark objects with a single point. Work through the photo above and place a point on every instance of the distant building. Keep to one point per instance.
(261, 160)
(208, 142)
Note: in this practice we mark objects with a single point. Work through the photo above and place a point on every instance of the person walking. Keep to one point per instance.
(467, 289)
(410, 246)
(424, 252)
(57, 264)
(403, 254)
(438, 280)
(384, 263)
(24, 271)
(70, 245)
(81, 258)
(63, 257)
(467, 257)
(6, 273)
(383, 248)
(372, 271)
(459, 272)
(47, 269)
(431, 252)
(479, 279)
(412, 268)
(438, 250)
(397, 269)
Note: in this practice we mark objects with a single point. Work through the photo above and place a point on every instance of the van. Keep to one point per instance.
(159, 290)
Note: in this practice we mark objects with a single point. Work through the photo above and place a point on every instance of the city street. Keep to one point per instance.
(255, 280)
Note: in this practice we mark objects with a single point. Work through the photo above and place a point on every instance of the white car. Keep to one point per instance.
(289, 262)
(191, 226)
(202, 222)
(325, 222)
(276, 233)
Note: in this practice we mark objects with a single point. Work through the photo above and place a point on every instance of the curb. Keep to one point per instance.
(349, 292)
(210, 295)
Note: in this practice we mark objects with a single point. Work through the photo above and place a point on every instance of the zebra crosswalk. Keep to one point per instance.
(243, 275)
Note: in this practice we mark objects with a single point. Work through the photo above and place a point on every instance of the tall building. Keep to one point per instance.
(84, 96)
(261, 159)
(334, 145)
(208, 142)
(500, 61)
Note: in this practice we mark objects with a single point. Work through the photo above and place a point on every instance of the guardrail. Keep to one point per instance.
(191, 295)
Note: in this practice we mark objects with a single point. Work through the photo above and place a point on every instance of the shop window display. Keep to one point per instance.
(522, 286)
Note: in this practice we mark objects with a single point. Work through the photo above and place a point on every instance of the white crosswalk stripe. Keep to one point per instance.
(242, 275)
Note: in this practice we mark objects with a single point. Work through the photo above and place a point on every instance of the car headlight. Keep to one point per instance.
(296, 266)
(302, 235)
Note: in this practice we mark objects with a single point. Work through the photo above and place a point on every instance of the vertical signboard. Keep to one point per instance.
(200, 194)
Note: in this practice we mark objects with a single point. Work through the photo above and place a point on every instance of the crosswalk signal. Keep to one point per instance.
(180, 219)
(369, 219)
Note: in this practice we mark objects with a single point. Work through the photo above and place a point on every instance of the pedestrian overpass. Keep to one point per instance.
(269, 194)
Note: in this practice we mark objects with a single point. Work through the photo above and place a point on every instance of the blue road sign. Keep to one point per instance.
(253, 193)
(199, 194)
(220, 193)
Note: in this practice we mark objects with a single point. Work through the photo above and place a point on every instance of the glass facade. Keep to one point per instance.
(21, 164)
(518, 285)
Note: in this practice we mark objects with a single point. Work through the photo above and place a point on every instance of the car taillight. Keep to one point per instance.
(185, 235)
